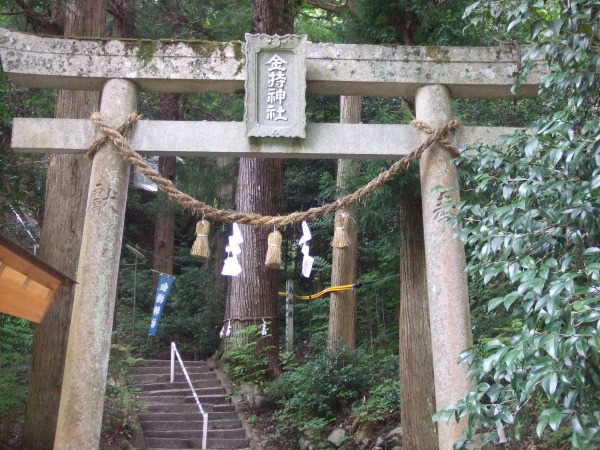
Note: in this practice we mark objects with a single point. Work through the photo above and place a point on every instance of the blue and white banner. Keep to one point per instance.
(165, 283)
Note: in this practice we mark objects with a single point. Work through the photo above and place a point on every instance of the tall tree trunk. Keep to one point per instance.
(417, 397)
(342, 307)
(66, 194)
(164, 229)
(273, 16)
(253, 293)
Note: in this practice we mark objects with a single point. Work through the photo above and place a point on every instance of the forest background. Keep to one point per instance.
(529, 215)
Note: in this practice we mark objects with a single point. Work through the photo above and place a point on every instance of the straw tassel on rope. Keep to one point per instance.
(273, 259)
(200, 247)
(341, 239)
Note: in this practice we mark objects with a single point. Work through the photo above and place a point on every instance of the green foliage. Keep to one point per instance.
(407, 22)
(119, 420)
(382, 403)
(323, 387)
(310, 396)
(317, 24)
(22, 175)
(15, 347)
(538, 231)
(192, 316)
(217, 20)
(246, 360)
(195, 312)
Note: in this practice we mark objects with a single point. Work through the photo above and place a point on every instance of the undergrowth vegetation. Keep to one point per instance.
(318, 388)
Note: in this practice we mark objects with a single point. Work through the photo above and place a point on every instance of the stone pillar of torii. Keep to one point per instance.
(119, 69)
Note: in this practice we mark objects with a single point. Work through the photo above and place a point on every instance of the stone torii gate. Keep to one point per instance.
(119, 69)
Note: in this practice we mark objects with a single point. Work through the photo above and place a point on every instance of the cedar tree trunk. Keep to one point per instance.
(66, 195)
(253, 293)
(164, 229)
(342, 308)
(417, 396)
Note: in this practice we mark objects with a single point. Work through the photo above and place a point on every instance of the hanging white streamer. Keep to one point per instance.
(228, 332)
(306, 234)
(307, 260)
(231, 265)
(222, 332)
(263, 331)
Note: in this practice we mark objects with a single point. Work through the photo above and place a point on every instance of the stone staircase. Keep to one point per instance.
(169, 415)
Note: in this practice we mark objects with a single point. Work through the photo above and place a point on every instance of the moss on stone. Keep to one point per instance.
(146, 50)
(438, 54)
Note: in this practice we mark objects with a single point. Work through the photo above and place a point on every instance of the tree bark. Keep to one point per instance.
(66, 195)
(253, 293)
(123, 12)
(417, 397)
(164, 229)
(165, 222)
(342, 307)
(273, 16)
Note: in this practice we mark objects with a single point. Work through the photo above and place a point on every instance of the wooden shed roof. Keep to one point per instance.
(28, 284)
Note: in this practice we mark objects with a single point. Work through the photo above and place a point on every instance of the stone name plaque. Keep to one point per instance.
(275, 85)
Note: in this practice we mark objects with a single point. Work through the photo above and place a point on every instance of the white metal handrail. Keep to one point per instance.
(175, 353)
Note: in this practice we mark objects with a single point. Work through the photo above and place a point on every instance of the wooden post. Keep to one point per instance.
(289, 315)
(86, 367)
(449, 316)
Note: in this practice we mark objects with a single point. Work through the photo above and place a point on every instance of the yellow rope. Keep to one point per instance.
(345, 287)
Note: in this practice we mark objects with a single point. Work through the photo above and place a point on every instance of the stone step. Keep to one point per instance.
(237, 433)
(213, 399)
(187, 408)
(201, 391)
(206, 383)
(186, 416)
(180, 424)
(170, 418)
(167, 363)
(157, 370)
(172, 443)
(153, 378)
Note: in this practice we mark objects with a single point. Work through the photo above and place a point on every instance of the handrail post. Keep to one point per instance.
(204, 430)
(175, 353)
(172, 361)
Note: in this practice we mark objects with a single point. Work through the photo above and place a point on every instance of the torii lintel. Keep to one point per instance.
(200, 66)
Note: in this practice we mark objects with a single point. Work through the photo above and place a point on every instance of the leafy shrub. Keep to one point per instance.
(119, 420)
(245, 360)
(382, 403)
(15, 347)
(323, 387)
